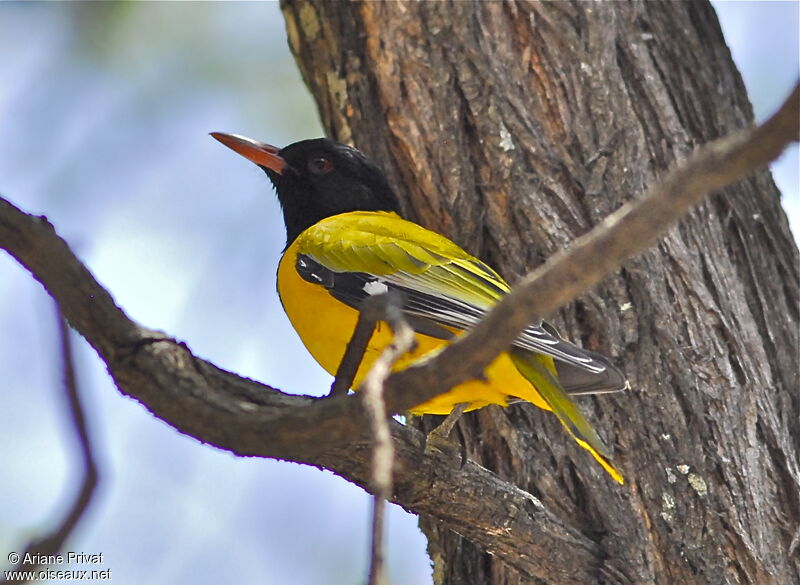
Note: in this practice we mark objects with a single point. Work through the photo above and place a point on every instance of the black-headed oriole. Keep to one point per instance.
(346, 240)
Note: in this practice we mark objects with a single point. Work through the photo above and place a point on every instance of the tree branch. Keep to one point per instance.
(247, 418)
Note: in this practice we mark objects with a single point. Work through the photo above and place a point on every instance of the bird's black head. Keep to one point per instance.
(316, 179)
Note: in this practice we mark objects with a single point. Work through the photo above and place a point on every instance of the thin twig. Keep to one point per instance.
(53, 543)
(391, 307)
(372, 310)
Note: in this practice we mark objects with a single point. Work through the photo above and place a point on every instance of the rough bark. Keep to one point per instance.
(514, 127)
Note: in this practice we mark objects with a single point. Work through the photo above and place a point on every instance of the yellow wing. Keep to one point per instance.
(360, 253)
(385, 245)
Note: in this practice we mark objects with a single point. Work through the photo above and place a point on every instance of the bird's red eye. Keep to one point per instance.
(320, 165)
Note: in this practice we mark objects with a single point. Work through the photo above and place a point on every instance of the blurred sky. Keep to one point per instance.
(105, 110)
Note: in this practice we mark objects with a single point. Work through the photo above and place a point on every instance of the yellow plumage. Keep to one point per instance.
(383, 244)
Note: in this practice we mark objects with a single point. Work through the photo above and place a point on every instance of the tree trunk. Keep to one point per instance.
(514, 127)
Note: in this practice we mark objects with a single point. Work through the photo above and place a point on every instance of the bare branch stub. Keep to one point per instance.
(373, 309)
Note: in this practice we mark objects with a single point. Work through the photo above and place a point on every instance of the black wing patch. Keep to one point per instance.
(429, 314)
(352, 288)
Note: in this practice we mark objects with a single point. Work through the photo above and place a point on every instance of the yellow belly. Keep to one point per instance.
(325, 325)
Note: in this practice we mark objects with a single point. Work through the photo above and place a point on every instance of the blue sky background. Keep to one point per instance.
(105, 110)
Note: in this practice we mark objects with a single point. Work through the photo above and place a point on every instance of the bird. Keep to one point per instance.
(347, 240)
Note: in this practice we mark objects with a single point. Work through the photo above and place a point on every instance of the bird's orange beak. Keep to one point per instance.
(260, 153)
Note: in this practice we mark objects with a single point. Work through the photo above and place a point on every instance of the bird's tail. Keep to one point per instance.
(538, 372)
